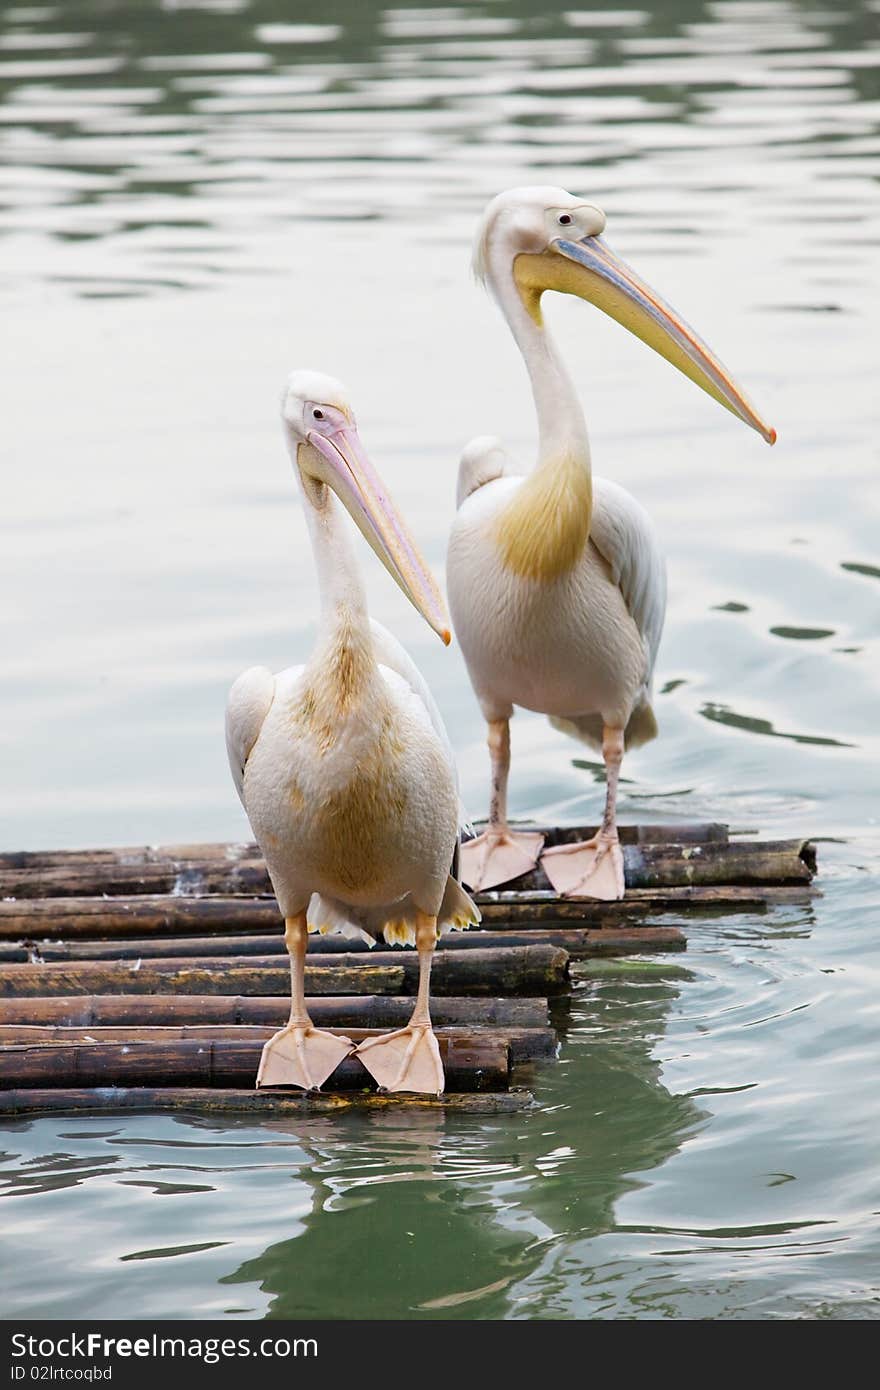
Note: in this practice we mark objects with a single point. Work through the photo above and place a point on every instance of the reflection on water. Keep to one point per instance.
(870, 571)
(520, 1185)
(723, 715)
(370, 1215)
(194, 196)
(691, 1186)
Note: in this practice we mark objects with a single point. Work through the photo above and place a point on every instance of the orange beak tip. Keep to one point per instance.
(771, 436)
(446, 636)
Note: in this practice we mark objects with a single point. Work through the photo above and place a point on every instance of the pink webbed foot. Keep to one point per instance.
(590, 869)
(300, 1055)
(407, 1060)
(496, 857)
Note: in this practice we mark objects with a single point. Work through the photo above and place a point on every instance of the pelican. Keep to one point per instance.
(343, 765)
(556, 583)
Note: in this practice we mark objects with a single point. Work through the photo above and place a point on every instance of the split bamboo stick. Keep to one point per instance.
(575, 940)
(524, 1044)
(471, 1062)
(511, 970)
(87, 918)
(646, 866)
(231, 853)
(364, 1011)
(261, 1104)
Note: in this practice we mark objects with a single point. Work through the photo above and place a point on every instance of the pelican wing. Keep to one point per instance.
(388, 652)
(483, 460)
(250, 700)
(457, 908)
(622, 532)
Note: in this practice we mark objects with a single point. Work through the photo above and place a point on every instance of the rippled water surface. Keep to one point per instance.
(193, 198)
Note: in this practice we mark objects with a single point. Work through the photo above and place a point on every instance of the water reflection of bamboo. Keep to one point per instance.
(478, 1207)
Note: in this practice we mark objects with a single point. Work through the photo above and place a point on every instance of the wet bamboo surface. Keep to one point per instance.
(261, 1105)
(234, 853)
(526, 970)
(656, 865)
(473, 1060)
(87, 919)
(524, 1044)
(576, 941)
(150, 977)
(365, 1011)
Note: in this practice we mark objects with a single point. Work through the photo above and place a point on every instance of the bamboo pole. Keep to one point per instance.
(600, 969)
(575, 940)
(139, 916)
(132, 855)
(524, 1044)
(195, 977)
(510, 970)
(78, 880)
(260, 1104)
(740, 862)
(228, 852)
(645, 865)
(507, 911)
(715, 864)
(123, 917)
(365, 1011)
(695, 833)
(471, 1062)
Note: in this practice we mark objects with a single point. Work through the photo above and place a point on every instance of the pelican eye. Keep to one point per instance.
(565, 219)
(318, 414)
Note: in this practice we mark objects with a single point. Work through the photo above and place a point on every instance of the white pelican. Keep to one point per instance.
(556, 584)
(343, 765)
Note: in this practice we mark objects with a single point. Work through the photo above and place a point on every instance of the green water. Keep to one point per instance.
(196, 197)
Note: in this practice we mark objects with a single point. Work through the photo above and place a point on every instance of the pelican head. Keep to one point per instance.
(327, 451)
(551, 240)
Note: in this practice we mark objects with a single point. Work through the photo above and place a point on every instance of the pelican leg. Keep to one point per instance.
(300, 1054)
(593, 868)
(409, 1058)
(498, 854)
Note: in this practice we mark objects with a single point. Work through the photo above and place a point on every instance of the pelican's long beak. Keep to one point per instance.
(590, 269)
(364, 496)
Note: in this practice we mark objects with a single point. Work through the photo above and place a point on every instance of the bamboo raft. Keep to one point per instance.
(148, 978)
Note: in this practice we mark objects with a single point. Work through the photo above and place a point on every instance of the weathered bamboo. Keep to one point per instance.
(87, 918)
(524, 1044)
(511, 970)
(711, 863)
(230, 853)
(606, 941)
(194, 977)
(511, 910)
(78, 880)
(739, 862)
(72, 918)
(166, 964)
(214, 1101)
(601, 968)
(646, 866)
(696, 833)
(365, 1011)
(576, 941)
(472, 1062)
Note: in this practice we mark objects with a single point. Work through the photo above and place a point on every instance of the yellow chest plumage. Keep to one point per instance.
(345, 704)
(542, 531)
